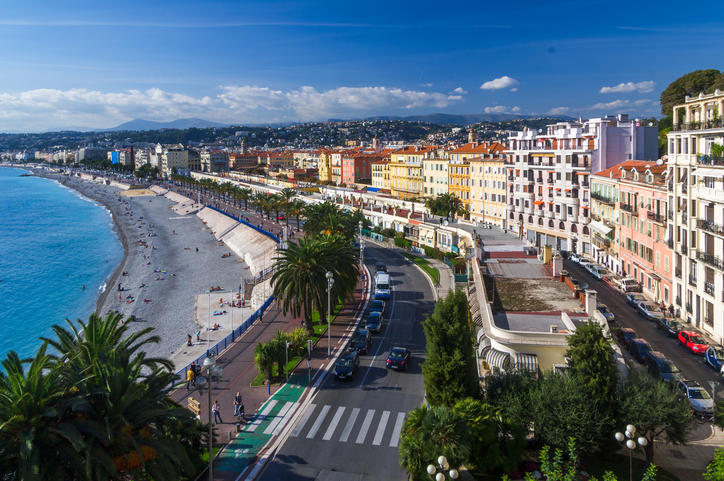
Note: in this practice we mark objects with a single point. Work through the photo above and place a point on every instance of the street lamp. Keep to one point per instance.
(210, 368)
(432, 470)
(330, 283)
(631, 443)
(361, 246)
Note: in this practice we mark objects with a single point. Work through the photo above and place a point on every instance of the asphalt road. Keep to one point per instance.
(351, 431)
(691, 365)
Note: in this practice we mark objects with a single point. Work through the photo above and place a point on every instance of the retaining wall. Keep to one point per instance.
(219, 223)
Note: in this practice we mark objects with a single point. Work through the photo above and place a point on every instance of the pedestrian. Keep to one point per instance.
(238, 405)
(217, 415)
(189, 340)
(190, 377)
(671, 310)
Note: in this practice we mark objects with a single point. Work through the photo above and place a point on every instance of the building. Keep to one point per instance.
(324, 166)
(633, 195)
(242, 161)
(406, 180)
(435, 176)
(90, 153)
(696, 223)
(487, 190)
(194, 160)
(121, 156)
(357, 168)
(381, 174)
(277, 159)
(335, 166)
(174, 159)
(458, 181)
(141, 157)
(214, 161)
(548, 191)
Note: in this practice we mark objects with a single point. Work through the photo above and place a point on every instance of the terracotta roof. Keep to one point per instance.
(631, 165)
(479, 148)
(415, 149)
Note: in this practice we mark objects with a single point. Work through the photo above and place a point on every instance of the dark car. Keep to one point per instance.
(625, 335)
(639, 349)
(633, 298)
(649, 310)
(380, 267)
(603, 309)
(373, 323)
(693, 342)
(398, 358)
(714, 357)
(662, 368)
(361, 341)
(670, 326)
(346, 365)
(377, 305)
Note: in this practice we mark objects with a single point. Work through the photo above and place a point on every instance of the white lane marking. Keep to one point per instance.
(182, 217)
(318, 422)
(278, 418)
(348, 427)
(365, 426)
(333, 424)
(285, 420)
(261, 416)
(397, 430)
(381, 428)
(307, 414)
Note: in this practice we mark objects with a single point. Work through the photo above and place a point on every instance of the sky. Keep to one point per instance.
(95, 64)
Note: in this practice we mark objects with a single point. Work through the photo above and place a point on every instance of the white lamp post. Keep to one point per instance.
(330, 283)
(361, 246)
(439, 475)
(211, 370)
(631, 443)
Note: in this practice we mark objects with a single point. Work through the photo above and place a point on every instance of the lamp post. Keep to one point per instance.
(439, 475)
(361, 246)
(211, 369)
(631, 443)
(330, 283)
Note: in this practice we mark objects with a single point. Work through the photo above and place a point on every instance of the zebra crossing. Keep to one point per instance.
(356, 425)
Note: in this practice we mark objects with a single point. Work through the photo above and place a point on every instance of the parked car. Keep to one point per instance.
(361, 341)
(629, 285)
(377, 305)
(699, 399)
(603, 309)
(281, 217)
(346, 365)
(662, 368)
(693, 342)
(714, 357)
(670, 326)
(380, 267)
(633, 298)
(373, 323)
(398, 358)
(639, 349)
(649, 310)
(574, 258)
(625, 335)
(598, 272)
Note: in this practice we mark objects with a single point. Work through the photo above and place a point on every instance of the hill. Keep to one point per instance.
(141, 124)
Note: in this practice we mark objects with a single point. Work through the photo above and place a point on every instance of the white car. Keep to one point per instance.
(598, 272)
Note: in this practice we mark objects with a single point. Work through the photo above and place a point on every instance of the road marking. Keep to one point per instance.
(308, 414)
(397, 430)
(285, 420)
(278, 418)
(365, 426)
(333, 425)
(379, 346)
(261, 416)
(318, 422)
(348, 427)
(183, 217)
(381, 428)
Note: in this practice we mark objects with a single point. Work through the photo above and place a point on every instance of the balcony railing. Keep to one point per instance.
(629, 208)
(653, 216)
(710, 226)
(709, 124)
(711, 160)
(710, 259)
(709, 288)
(602, 198)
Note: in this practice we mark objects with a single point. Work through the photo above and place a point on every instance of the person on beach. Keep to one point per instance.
(215, 408)
(198, 336)
(190, 377)
(189, 340)
(238, 405)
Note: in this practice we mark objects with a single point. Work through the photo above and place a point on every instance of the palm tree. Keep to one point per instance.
(260, 201)
(287, 196)
(296, 208)
(245, 194)
(263, 358)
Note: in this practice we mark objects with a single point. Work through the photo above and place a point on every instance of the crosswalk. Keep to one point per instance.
(355, 425)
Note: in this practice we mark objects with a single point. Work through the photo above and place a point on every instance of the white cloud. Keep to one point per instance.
(558, 110)
(515, 109)
(43, 109)
(502, 109)
(644, 87)
(428, 85)
(615, 104)
(499, 83)
(643, 101)
(459, 91)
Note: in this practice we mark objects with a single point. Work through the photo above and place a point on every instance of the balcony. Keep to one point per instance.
(709, 124)
(602, 198)
(709, 288)
(548, 214)
(711, 160)
(710, 226)
(711, 259)
(654, 217)
(629, 208)
(583, 220)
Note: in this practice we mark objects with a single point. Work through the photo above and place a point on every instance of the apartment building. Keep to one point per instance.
(406, 180)
(357, 168)
(435, 176)
(174, 159)
(548, 187)
(141, 157)
(488, 190)
(458, 181)
(214, 161)
(696, 223)
(381, 174)
(324, 164)
(241, 161)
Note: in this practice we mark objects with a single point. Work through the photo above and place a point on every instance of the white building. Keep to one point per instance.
(214, 161)
(175, 158)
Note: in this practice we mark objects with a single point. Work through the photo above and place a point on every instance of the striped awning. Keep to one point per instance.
(526, 362)
(498, 359)
(483, 347)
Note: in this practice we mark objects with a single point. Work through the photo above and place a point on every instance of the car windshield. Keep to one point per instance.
(396, 354)
(697, 340)
(719, 353)
(698, 393)
(603, 309)
(344, 362)
(651, 307)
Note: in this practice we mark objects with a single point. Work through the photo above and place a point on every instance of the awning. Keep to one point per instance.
(704, 172)
(585, 207)
(550, 187)
(568, 190)
(582, 173)
(498, 359)
(526, 362)
(558, 188)
(537, 202)
(600, 227)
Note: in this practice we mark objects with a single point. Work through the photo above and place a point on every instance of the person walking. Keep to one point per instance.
(217, 415)
(190, 377)
(238, 404)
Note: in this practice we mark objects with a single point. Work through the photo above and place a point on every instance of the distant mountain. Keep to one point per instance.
(454, 119)
(141, 124)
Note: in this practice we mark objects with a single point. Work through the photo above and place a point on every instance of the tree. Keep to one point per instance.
(690, 84)
(245, 195)
(264, 359)
(655, 409)
(592, 361)
(445, 204)
(146, 171)
(510, 393)
(449, 372)
(715, 469)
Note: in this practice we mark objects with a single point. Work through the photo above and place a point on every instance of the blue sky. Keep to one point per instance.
(95, 64)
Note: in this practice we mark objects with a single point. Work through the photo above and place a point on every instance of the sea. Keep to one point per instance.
(57, 250)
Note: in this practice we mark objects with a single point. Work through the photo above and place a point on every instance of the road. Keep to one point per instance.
(691, 365)
(352, 428)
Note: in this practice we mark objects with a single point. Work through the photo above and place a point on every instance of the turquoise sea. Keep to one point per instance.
(53, 242)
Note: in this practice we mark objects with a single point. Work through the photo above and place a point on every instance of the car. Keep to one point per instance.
(346, 365)
(398, 358)
(603, 309)
(629, 285)
(693, 342)
(281, 217)
(382, 286)
(670, 326)
(714, 357)
(633, 298)
(699, 399)
(639, 349)
(590, 267)
(649, 310)
(361, 341)
(662, 368)
(598, 272)
(380, 267)
(373, 323)
(377, 305)
(625, 335)
(574, 258)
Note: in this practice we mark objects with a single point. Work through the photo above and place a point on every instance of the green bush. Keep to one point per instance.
(400, 241)
(388, 232)
(433, 252)
(298, 339)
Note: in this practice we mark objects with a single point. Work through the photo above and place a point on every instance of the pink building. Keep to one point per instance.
(357, 168)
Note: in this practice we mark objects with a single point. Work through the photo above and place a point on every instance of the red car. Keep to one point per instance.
(693, 342)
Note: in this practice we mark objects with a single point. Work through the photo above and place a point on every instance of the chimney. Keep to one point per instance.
(591, 302)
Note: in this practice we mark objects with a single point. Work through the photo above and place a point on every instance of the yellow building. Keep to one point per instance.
(325, 173)
(458, 183)
(381, 174)
(487, 190)
(406, 179)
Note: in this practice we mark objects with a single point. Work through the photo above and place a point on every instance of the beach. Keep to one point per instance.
(169, 260)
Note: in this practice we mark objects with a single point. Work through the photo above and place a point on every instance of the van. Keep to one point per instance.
(629, 285)
(382, 286)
